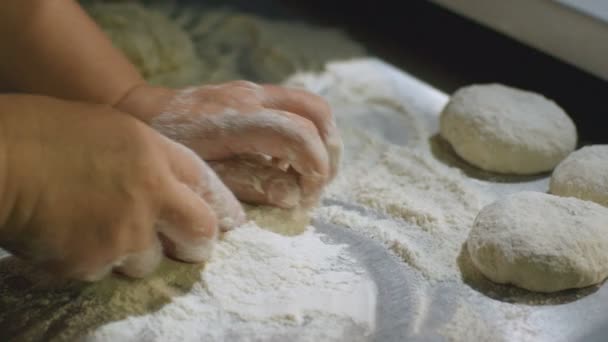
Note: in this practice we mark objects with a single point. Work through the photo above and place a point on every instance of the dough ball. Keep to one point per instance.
(507, 130)
(541, 242)
(583, 174)
(158, 47)
(288, 222)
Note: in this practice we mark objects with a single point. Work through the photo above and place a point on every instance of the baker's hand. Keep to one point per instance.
(87, 189)
(269, 144)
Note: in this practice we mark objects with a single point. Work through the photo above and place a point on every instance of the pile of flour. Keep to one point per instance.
(264, 286)
(258, 285)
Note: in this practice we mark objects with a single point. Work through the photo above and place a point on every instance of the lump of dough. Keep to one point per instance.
(158, 47)
(287, 222)
(239, 45)
(541, 242)
(583, 174)
(507, 130)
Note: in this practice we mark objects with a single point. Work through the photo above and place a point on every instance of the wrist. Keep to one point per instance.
(144, 101)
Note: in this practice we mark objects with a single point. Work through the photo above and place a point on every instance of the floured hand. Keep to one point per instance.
(88, 190)
(241, 127)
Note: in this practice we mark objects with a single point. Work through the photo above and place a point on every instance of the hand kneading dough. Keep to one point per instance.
(583, 174)
(507, 130)
(541, 242)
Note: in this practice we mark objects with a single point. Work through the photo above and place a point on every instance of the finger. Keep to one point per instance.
(284, 136)
(82, 269)
(315, 109)
(189, 223)
(139, 264)
(90, 258)
(256, 180)
(201, 179)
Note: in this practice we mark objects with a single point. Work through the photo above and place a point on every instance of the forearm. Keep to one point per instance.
(53, 47)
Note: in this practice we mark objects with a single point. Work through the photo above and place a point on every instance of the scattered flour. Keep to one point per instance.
(258, 286)
(266, 284)
(458, 329)
(421, 208)
(504, 325)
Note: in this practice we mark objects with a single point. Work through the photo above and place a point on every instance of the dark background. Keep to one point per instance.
(449, 51)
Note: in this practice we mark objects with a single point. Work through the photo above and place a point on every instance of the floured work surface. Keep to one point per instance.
(401, 207)
(404, 187)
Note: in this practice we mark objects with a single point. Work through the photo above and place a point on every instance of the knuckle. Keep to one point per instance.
(323, 110)
(306, 125)
(149, 178)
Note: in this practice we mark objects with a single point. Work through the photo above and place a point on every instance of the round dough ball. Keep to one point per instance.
(583, 174)
(159, 48)
(541, 242)
(507, 130)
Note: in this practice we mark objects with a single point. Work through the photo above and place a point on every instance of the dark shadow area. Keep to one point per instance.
(443, 151)
(36, 307)
(511, 294)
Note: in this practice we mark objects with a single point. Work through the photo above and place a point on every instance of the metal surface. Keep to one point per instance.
(395, 292)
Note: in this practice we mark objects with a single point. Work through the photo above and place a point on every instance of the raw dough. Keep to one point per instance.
(238, 45)
(583, 174)
(287, 222)
(507, 130)
(188, 45)
(159, 48)
(541, 242)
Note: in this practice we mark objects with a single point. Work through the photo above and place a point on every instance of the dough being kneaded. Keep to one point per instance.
(507, 130)
(541, 242)
(583, 174)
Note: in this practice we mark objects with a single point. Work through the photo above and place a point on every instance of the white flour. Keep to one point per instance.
(260, 285)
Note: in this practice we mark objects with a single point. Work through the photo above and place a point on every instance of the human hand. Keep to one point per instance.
(284, 142)
(88, 189)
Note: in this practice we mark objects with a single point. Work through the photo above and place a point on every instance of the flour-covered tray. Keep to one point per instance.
(463, 306)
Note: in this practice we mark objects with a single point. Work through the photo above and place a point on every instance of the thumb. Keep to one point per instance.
(200, 178)
(188, 225)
